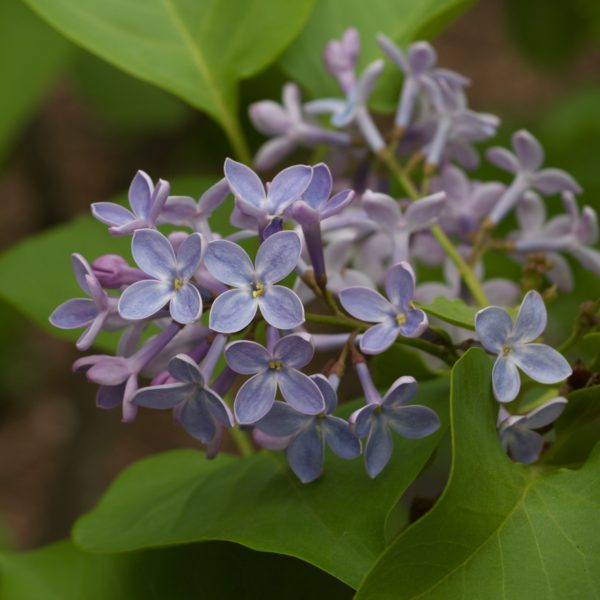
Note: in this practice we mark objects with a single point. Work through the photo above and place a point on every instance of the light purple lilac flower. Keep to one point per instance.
(305, 435)
(289, 127)
(514, 348)
(254, 288)
(146, 203)
(94, 313)
(171, 278)
(380, 416)
(399, 224)
(516, 435)
(199, 410)
(525, 164)
(394, 317)
(420, 76)
(273, 369)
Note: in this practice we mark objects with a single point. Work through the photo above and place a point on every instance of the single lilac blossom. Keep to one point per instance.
(306, 435)
(381, 416)
(272, 369)
(146, 203)
(171, 278)
(514, 348)
(525, 164)
(254, 288)
(516, 435)
(394, 317)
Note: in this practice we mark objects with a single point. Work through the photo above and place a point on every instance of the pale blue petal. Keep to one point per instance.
(542, 363)
(75, 313)
(320, 186)
(232, 311)
(305, 455)
(113, 214)
(283, 420)
(154, 254)
(186, 304)
(246, 357)
(545, 414)
(184, 368)
(493, 326)
(163, 396)
(288, 186)
(188, 256)
(300, 391)
(336, 204)
(294, 351)
(82, 271)
(255, 398)
(366, 304)
(360, 419)
(340, 438)
(531, 320)
(281, 307)
(229, 263)
(140, 194)
(329, 394)
(217, 407)
(505, 379)
(144, 298)
(524, 446)
(277, 256)
(197, 420)
(244, 183)
(401, 391)
(379, 338)
(416, 323)
(378, 448)
(413, 422)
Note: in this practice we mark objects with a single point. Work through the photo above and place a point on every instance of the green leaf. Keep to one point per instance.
(500, 530)
(455, 312)
(215, 571)
(31, 56)
(197, 50)
(401, 20)
(179, 497)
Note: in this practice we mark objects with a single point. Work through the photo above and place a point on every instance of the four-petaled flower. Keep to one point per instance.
(254, 288)
(171, 278)
(514, 347)
(146, 202)
(394, 317)
(199, 409)
(271, 370)
(308, 434)
(516, 435)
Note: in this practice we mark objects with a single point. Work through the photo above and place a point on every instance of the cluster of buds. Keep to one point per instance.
(202, 322)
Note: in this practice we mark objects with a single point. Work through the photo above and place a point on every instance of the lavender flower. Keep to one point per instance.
(171, 278)
(146, 202)
(516, 435)
(273, 369)
(254, 288)
(380, 416)
(286, 122)
(93, 313)
(394, 317)
(306, 435)
(526, 164)
(514, 347)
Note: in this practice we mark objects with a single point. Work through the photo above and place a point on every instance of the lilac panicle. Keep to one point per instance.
(171, 278)
(254, 287)
(381, 416)
(146, 203)
(270, 370)
(516, 431)
(513, 344)
(305, 436)
(394, 317)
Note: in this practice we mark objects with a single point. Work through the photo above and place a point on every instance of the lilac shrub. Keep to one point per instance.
(225, 336)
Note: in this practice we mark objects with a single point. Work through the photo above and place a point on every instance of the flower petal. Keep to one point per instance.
(184, 368)
(283, 420)
(379, 338)
(232, 311)
(197, 420)
(273, 152)
(288, 186)
(281, 307)
(300, 391)
(294, 351)
(82, 271)
(255, 398)
(336, 204)
(545, 414)
(189, 255)
(528, 150)
(163, 396)
(413, 422)
(340, 438)
(319, 189)
(400, 286)
(229, 263)
(278, 256)
(505, 379)
(218, 408)
(416, 323)
(140, 194)
(531, 320)
(421, 57)
(154, 254)
(186, 304)
(381, 208)
(244, 183)
(113, 214)
(366, 304)
(144, 298)
(305, 455)
(524, 446)
(493, 326)
(401, 391)
(542, 363)
(425, 212)
(329, 394)
(503, 158)
(246, 357)
(378, 449)
(75, 313)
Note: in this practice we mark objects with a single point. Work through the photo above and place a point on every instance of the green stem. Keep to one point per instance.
(242, 441)
(233, 129)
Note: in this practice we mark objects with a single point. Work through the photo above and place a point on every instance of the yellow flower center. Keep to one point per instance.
(275, 365)
(178, 284)
(259, 290)
(400, 318)
(506, 350)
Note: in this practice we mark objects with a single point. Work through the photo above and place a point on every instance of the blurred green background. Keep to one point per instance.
(74, 129)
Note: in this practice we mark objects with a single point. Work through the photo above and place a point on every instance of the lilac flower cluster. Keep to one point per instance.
(223, 340)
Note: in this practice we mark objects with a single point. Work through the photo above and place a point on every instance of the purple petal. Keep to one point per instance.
(186, 304)
(545, 414)
(110, 396)
(288, 186)
(294, 351)
(402, 391)
(416, 323)
(75, 313)
(246, 357)
(413, 422)
(140, 194)
(144, 298)
(82, 271)
(501, 291)
(281, 307)
(505, 379)
(270, 118)
(217, 407)
(188, 255)
(109, 371)
(197, 420)
(361, 419)
(336, 204)
(393, 52)
(421, 57)
(162, 396)
(531, 320)
(379, 338)
(278, 256)
(340, 438)
(328, 392)
(319, 189)
(86, 339)
(366, 304)
(113, 214)
(528, 150)
(424, 212)
(283, 420)
(493, 326)
(300, 391)
(213, 197)
(154, 254)
(542, 363)
(381, 208)
(305, 455)
(551, 181)
(184, 368)
(588, 257)
(229, 263)
(232, 311)
(255, 398)
(273, 152)
(504, 159)
(367, 80)
(531, 212)
(400, 286)
(378, 449)
(244, 183)
(524, 446)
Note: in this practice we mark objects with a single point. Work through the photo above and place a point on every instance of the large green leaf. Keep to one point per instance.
(335, 523)
(215, 571)
(501, 530)
(401, 20)
(197, 50)
(31, 56)
(455, 312)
